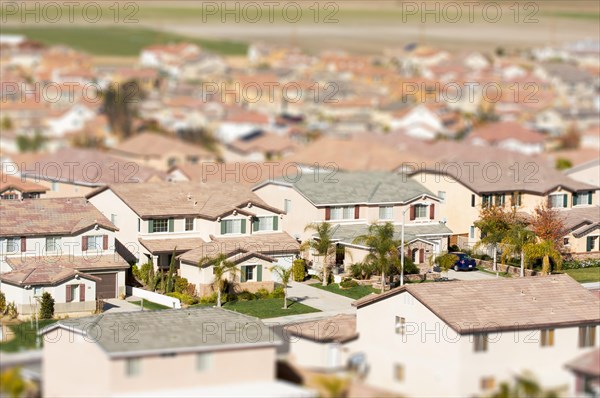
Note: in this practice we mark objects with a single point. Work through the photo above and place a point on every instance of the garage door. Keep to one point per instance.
(107, 287)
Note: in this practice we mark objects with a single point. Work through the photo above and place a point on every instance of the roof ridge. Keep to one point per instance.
(374, 191)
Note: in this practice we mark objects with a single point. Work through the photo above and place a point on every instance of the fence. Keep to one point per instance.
(154, 297)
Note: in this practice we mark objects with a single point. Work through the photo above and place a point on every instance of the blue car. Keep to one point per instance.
(464, 262)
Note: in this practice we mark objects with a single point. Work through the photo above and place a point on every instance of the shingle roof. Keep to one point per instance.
(166, 199)
(53, 216)
(324, 187)
(80, 263)
(191, 329)
(340, 329)
(36, 276)
(503, 304)
(346, 233)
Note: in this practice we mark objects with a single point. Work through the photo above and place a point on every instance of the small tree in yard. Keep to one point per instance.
(285, 275)
(221, 267)
(171, 275)
(322, 244)
(46, 306)
(446, 261)
(515, 241)
(2, 303)
(548, 224)
(299, 269)
(494, 223)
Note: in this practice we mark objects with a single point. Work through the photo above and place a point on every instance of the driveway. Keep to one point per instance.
(118, 305)
(469, 275)
(318, 298)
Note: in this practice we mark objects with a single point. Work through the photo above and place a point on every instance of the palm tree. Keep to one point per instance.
(517, 237)
(322, 244)
(494, 224)
(221, 267)
(546, 250)
(285, 275)
(383, 248)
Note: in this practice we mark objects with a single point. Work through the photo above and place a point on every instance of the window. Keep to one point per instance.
(139, 225)
(557, 201)
(442, 196)
(189, 224)
(516, 199)
(472, 232)
(547, 337)
(10, 196)
(94, 242)
(399, 372)
(386, 212)
(38, 291)
(287, 205)
(342, 213)
(52, 244)
(421, 211)
(13, 245)
(132, 367)
(74, 292)
(202, 361)
(161, 225)
(231, 227)
(587, 336)
(249, 273)
(113, 219)
(480, 342)
(265, 224)
(590, 243)
(488, 383)
(486, 200)
(499, 199)
(54, 187)
(472, 200)
(582, 198)
(566, 241)
(400, 325)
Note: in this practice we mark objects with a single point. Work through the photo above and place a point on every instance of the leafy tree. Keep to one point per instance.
(446, 261)
(31, 144)
(47, 306)
(563, 164)
(524, 386)
(546, 250)
(221, 268)
(548, 224)
(515, 241)
(120, 106)
(299, 269)
(285, 275)
(571, 138)
(182, 285)
(494, 223)
(322, 244)
(7, 123)
(12, 383)
(2, 303)
(11, 310)
(383, 248)
(333, 386)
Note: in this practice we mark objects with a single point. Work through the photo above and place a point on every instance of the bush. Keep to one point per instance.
(11, 310)
(184, 298)
(446, 261)
(454, 248)
(246, 296)
(2, 303)
(348, 283)
(575, 264)
(181, 285)
(299, 270)
(209, 299)
(362, 270)
(47, 306)
(410, 268)
(262, 293)
(146, 273)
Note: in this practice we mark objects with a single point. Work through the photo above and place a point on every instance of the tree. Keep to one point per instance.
(120, 106)
(570, 139)
(546, 250)
(12, 383)
(333, 386)
(494, 223)
(515, 240)
(221, 268)
(524, 386)
(563, 164)
(2, 303)
(446, 261)
(383, 248)
(7, 123)
(548, 224)
(47, 306)
(285, 275)
(322, 244)
(299, 267)
(171, 275)
(30, 144)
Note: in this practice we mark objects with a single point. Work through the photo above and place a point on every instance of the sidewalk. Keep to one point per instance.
(118, 305)
(318, 298)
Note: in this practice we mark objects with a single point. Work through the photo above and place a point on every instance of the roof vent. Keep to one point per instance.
(196, 203)
(522, 292)
(534, 299)
(189, 196)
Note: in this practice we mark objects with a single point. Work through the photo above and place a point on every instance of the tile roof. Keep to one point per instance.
(500, 131)
(156, 246)
(88, 263)
(50, 216)
(190, 329)
(326, 187)
(42, 276)
(588, 363)
(9, 182)
(581, 220)
(339, 329)
(246, 173)
(148, 144)
(503, 304)
(171, 199)
(346, 233)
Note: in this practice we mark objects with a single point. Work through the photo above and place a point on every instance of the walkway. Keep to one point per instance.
(118, 305)
(318, 298)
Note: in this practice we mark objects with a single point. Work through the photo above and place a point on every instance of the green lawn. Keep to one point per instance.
(266, 308)
(585, 275)
(24, 336)
(150, 305)
(353, 292)
(118, 41)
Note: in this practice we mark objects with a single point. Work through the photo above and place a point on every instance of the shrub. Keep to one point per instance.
(348, 283)
(47, 306)
(575, 264)
(446, 261)
(454, 248)
(11, 310)
(209, 299)
(410, 268)
(181, 285)
(277, 293)
(299, 270)
(246, 296)
(2, 303)
(262, 293)
(184, 298)
(362, 270)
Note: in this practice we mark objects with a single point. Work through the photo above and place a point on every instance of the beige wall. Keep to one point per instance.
(62, 190)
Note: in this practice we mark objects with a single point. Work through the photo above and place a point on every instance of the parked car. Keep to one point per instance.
(464, 262)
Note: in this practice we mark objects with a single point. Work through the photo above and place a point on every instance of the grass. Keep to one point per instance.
(266, 308)
(24, 336)
(353, 292)
(584, 275)
(118, 41)
(149, 305)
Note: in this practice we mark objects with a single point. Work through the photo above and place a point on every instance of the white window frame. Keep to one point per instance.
(94, 242)
(13, 241)
(562, 200)
(265, 223)
(236, 226)
(52, 242)
(133, 367)
(342, 212)
(250, 269)
(400, 325)
(203, 361)
(579, 196)
(442, 196)
(425, 210)
(160, 221)
(113, 219)
(386, 212)
(287, 205)
(186, 224)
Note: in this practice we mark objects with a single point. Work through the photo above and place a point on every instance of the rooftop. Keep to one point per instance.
(9, 182)
(339, 329)
(149, 144)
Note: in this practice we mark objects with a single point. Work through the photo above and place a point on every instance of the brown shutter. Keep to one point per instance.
(549, 202)
(412, 213)
(23, 244)
(421, 256)
(81, 292)
(69, 298)
(356, 212)
(84, 241)
(105, 242)
(432, 211)
(327, 213)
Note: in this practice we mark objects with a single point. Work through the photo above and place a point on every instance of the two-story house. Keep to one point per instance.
(64, 246)
(14, 188)
(518, 325)
(156, 220)
(354, 200)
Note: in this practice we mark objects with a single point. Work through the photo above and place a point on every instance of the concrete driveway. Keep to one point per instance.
(469, 275)
(319, 298)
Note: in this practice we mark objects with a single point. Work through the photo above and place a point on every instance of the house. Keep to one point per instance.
(14, 188)
(586, 369)
(590, 138)
(216, 352)
(160, 151)
(169, 58)
(76, 172)
(587, 172)
(583, 230)
(508, 135)
(49, 245)
(253, 255)
(238, 123)
(246, 173)
(323, 345)
(354, 200)
(520, 324)
(260, 147)
(158, 219)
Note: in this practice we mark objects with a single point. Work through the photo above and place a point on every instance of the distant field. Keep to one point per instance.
(118, 41)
